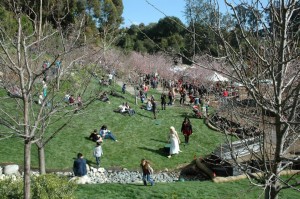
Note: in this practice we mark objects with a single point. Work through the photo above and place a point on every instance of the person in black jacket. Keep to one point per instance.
(163, 101)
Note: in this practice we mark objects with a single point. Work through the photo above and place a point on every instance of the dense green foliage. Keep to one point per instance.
(10, 188)
(166, 35)
(45, 187)
(98, 14)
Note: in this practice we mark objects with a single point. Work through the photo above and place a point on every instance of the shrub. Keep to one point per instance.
(47, 186)
(51, 186)
(10, 188)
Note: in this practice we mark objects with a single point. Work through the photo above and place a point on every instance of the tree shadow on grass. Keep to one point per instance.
(161, 151)
(161, 141)
(143, 115)
(88, 138)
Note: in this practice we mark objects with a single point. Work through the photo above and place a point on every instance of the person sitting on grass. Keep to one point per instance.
(149, 105)
(130, 111)
(95, 137)
(71, 100)
(107, 134)
(123, 108)
(79, 166)
(104, 97)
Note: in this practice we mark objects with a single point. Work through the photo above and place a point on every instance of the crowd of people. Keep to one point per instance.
(189, 95)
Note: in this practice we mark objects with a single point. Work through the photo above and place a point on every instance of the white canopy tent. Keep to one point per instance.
(217, 78)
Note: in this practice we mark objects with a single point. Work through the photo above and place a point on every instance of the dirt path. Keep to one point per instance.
(130, 89)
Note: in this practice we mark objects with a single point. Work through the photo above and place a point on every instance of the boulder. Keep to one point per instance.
(87, 168)
(0, 170)
(81, 180)
(11, 169)
(101, 170)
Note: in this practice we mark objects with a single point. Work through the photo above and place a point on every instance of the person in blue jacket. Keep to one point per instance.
(79, 166)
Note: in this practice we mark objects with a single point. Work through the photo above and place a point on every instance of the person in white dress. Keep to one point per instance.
(174, 141)
(41, 98)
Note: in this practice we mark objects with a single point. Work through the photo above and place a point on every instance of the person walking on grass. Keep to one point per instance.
(186, 129)
(163, 101)
(147, 171)
(98, 153)
(124, 88)
(153, 102)
(174, 142)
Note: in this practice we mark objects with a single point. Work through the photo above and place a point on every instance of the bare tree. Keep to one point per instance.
(24, 78)
(263, 57)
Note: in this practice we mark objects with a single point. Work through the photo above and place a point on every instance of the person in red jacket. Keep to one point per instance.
(186, 129)
(225, 93)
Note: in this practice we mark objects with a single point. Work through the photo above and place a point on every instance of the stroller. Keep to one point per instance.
(197, 113)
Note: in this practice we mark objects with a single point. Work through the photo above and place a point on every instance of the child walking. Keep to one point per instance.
(98, 153)
(147, 171)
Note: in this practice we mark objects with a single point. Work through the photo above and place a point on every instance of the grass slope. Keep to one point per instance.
(140, 136)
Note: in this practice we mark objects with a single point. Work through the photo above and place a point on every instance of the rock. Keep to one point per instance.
(11, 169)
(94, 170)
(87, 167)
(81, 180)
(67, 174)
(0, 170)
(101, 170)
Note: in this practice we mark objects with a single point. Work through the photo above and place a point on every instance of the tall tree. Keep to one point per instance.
(23, 52)
(265, 60)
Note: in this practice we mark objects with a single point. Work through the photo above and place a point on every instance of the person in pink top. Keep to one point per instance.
(225, 93)
(146, 89)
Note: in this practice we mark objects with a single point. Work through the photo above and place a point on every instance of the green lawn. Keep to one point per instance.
(178, 190)
(140, 136)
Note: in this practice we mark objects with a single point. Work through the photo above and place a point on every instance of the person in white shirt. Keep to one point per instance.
(98, 152)
(110, 78)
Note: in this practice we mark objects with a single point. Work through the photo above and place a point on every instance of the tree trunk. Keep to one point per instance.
(272, 191)
(27, 160)
(42, 164)
(135, 95)
(57, 81)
